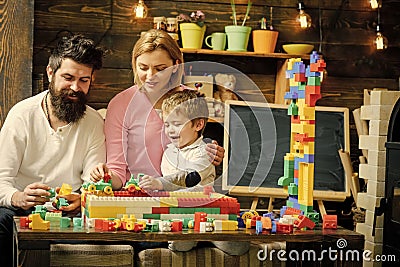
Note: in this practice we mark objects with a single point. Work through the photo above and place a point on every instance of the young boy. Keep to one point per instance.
(185, 164)
(185, 116)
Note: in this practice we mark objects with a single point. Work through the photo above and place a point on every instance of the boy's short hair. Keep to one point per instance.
(187, 102)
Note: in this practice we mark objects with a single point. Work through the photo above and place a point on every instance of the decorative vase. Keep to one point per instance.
(264, 41)
(238, 37)
(192, 35)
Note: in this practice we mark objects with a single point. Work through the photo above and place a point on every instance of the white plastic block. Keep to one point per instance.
(384, 97)
(375, 188)
(372, 142)
(377, 158)
(376, 112)
(371, 172)
(368, 202)
(366, 230)
(378, 127)
(369, 219)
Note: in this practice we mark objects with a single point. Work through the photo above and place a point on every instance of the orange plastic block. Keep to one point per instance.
(292, 211)
(300, 77)
(266, 223)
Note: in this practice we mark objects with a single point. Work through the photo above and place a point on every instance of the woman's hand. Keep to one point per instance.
(215, 153)
(150, 183)
(99, 171)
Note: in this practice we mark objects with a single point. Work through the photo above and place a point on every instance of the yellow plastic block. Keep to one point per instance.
(106, 212)
(168, 202)
(307, 113)
(303, 129)
(309, 148)
(37, 223)
(306, 184)
(65, 189)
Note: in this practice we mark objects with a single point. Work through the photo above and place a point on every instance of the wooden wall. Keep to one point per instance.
(347, 29)
(16, 46)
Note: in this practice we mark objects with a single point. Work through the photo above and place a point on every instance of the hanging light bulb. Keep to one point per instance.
(139, 10)
(374, 4)
(303, 18)
(380, 41)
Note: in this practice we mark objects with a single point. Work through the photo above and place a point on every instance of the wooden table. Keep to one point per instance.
(317, 239)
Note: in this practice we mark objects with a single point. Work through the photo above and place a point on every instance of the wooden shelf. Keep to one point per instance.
(242, 54)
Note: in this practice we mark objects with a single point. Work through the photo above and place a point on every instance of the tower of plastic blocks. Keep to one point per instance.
(298, 178)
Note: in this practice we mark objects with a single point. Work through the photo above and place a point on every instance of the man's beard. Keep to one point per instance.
(64, 108)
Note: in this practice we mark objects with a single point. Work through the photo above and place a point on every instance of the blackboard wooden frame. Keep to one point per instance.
(277, 192)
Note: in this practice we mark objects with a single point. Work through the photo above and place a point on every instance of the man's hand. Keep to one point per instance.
(74, 201)
(33, 194)
(215, 153)
(150, 183)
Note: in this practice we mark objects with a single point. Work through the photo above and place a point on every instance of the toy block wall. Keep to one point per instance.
(377, 108)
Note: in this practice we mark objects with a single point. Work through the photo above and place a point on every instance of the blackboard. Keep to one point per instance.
(257, 137)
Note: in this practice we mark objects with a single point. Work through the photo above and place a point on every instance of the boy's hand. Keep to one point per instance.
(150, 183)
(74, 201)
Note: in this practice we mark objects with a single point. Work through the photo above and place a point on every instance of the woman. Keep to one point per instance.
(135, 139)
(134, 129)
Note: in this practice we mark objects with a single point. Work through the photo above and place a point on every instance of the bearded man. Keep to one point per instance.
(51, 138)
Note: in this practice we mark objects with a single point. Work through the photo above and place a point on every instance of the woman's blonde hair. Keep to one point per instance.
(157, 39)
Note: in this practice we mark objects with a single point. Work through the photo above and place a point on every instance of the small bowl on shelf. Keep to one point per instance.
(298, 49)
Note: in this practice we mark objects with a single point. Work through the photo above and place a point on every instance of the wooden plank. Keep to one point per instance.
(16, 38)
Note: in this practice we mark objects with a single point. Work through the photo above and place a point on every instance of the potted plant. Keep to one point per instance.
(192, 29)
(264, 39)
(238, 35)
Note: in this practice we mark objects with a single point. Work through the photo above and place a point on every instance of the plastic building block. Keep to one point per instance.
(24, 222)
(77, 222)
(65, 222)
(65, 189)
(303, 221)
(329, 222)
(259, 227)
(37, 223)
(177, 225)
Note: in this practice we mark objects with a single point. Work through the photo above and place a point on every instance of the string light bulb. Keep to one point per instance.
(139, 10)
(374, 4)
(380, 42)
(303, 18)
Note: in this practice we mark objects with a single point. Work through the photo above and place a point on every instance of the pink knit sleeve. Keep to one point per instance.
(115, 132)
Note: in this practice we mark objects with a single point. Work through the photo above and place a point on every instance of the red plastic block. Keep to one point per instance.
(199, 217)
(300, 77)
(160, 210)
(295, 119)
(176, 226)
(303, 221)
(329, 222)
(284, 228)
(24, 222)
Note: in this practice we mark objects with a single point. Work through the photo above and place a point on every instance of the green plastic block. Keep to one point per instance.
(232, 217)
(152, 216)
(313, 81)
(285, 181)
(293, 189)
(65, 222)
(293, 109)
(306, 208)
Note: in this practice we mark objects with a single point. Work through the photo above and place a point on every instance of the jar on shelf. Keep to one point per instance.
(172, 25)
(159, 23)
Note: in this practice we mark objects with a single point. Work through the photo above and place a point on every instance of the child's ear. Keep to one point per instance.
(200, 124)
